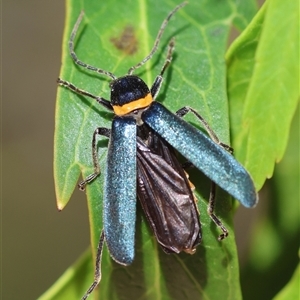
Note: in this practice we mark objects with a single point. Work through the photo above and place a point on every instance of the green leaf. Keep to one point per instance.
(274, 241)
(197, 77)
(245, 12)
(263, 87)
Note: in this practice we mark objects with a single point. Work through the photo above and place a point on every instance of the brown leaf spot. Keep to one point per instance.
(127, 41)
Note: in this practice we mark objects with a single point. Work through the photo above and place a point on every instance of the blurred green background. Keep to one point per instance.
(38, 243)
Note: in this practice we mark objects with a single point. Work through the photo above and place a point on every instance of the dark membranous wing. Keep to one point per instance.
(165, 194)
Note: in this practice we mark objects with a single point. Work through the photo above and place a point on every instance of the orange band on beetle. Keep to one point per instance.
(133, 105)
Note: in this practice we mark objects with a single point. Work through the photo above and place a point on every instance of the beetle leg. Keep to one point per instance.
(97, 276)
(79, 91)
(159, 78)
(186, 109)
(99, 131)
(210, 211)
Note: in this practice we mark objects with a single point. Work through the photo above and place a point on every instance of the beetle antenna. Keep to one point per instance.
(161, 31)
(74, 56)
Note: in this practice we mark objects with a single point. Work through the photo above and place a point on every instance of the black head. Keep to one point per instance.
(127, 89)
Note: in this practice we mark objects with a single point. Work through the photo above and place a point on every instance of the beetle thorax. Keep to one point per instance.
(129, 94)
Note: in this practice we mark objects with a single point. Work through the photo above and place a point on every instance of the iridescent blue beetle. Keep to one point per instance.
(141, 161)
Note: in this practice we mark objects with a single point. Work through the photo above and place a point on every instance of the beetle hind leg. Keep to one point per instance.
(210, 211)
(97, 276)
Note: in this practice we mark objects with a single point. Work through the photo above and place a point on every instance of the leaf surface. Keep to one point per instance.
(263, 87)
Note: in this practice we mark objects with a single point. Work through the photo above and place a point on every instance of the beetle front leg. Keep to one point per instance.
(159, 78)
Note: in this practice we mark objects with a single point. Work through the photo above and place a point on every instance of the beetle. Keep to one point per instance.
(142, 161)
